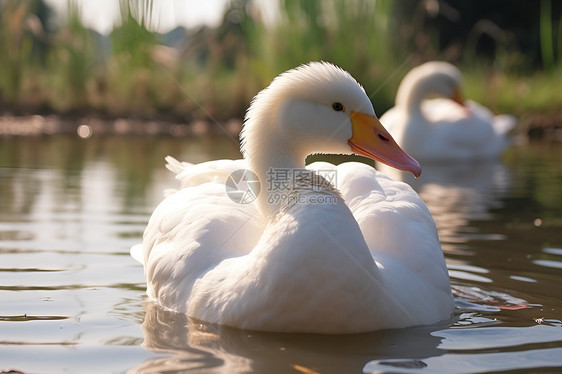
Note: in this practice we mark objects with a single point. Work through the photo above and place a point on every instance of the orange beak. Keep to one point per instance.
(457, 97)
(370, 139)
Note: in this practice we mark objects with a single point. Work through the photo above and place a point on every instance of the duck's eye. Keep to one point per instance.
(338, 107)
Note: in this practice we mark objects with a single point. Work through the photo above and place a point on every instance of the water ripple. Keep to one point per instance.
(549, 263)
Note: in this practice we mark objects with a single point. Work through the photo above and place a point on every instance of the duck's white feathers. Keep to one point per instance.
(317, 268)
(439, 129)
(302, 257)
(399, 231)
(194, 229)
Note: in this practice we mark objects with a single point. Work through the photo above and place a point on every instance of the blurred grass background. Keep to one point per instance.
(509, 53)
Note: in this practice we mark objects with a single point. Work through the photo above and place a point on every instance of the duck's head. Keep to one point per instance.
(434, 78)
(318, 108)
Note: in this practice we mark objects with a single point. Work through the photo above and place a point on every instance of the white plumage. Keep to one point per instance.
(362, 257)
(444, 128)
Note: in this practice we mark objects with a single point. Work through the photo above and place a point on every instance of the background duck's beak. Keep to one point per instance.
(457, 97)
(370, 139)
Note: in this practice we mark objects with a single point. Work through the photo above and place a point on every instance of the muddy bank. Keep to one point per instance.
(534, 126)
(85, 127)
(544, 127)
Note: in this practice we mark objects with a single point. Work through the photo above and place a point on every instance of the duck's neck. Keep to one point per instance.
(274, 162)
(273, 156)
(410, 95)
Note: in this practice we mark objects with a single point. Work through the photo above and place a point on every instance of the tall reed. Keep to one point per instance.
(216, 71)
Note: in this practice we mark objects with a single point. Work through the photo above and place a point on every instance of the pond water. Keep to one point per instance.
(73, 300)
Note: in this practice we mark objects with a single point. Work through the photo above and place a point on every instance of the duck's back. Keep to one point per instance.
(193, 229)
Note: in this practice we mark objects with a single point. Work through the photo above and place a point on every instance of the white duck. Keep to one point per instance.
(446, 128)
(303, 257)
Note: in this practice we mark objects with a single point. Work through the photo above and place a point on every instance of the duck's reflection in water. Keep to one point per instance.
(192, 346)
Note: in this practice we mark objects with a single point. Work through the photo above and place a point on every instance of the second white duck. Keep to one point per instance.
(445, 128)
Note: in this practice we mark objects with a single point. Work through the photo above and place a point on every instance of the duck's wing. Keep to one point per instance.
(401, 235)
(501, 127)
(389, 212)
(211, 171)
(501, 123)
(194, 229)
(392, 216)
(469, 132)
(440, 110)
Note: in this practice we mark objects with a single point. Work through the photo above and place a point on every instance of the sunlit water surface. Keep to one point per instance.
(72, 299)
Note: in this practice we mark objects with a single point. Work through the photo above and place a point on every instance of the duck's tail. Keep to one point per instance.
(176, 166)
(504, 123)
(136, 253)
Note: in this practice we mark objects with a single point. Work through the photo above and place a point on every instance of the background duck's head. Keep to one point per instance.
(434, 78)
(316, 108)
